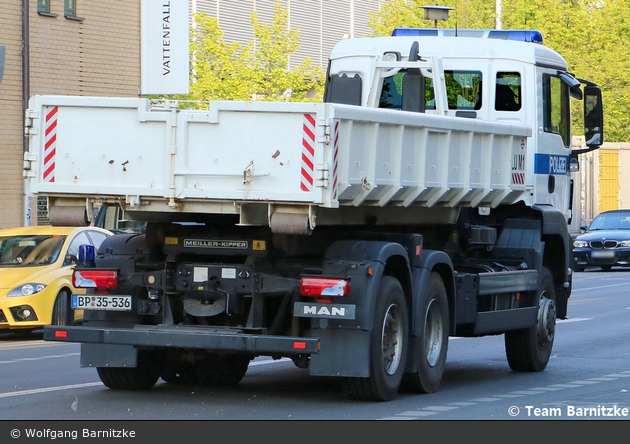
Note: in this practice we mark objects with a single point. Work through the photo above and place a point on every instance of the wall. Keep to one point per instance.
(602, 183)
(96, 56)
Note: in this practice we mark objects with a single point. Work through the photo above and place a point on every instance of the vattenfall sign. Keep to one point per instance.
(165, 47)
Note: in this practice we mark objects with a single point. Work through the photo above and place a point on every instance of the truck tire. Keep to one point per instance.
(222, 369)
(432, 346)
(62, 314)
(529, 349)
(182, 373)
(142, 377)
(388, 350)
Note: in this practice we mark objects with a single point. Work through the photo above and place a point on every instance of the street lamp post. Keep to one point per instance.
(436, 12)
(499, 12)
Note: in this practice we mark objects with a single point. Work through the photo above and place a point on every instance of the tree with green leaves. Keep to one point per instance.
(256, 71)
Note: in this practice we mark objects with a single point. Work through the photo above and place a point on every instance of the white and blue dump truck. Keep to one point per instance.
(428, 197)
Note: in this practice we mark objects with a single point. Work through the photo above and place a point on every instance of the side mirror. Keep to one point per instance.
(583, 228)
(593, 116)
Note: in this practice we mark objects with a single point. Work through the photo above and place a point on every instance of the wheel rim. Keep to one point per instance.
(392, 339)
(546, 320)
(433, 334)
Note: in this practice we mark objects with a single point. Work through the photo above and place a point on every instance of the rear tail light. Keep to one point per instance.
(95, 278)
(320, 286)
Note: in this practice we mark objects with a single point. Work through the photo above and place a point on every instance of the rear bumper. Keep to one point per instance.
(185, 337)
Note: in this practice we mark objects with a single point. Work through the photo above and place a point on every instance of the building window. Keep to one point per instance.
(43, 8)
(70, 9)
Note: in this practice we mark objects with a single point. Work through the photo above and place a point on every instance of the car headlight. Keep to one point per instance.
(580, 244)
(26, 290)
(625, 243)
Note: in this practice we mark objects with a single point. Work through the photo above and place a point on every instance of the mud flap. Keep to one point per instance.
(342, 353)
(105, 355)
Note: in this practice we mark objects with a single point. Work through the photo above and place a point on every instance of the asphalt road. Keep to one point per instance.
(588, 374)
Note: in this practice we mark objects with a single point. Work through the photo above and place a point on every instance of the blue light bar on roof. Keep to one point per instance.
(521, 35)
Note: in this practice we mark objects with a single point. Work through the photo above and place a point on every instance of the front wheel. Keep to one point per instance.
(388, 350)
(529, 349)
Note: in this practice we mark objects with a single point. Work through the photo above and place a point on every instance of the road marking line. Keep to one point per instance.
(597, 288)
(551, 389)
(486, 399)
(269, 361)
(417, 413)
(439, 408)
(50, 389)
(566, 321)
(398, 418)
(528, 392)
(39, 358)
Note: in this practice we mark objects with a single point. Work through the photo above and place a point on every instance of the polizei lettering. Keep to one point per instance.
(557, 165)
(229, 244)
(166, 38)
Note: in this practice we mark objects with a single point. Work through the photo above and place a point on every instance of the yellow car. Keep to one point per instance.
(36, 266)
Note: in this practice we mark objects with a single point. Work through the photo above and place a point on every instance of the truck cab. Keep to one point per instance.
(509, 77)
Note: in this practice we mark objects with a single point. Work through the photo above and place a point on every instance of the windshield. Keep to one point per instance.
(30, 250)
(611, 221)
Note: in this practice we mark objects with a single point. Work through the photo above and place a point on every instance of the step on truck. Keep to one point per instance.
(428, 196)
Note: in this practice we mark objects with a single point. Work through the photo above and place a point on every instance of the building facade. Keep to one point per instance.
(92, 49)
(89, 48)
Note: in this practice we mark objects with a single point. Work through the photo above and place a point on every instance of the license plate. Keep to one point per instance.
(98, 302)
(603, 254)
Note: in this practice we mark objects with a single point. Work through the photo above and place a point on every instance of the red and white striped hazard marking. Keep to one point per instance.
(335, 160)
(308, 153)
(50, 143)
(518, 178)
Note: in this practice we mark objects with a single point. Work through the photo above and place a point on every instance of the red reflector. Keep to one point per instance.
(299, 345)
(95, 278)
(61, 334)
(330, 287)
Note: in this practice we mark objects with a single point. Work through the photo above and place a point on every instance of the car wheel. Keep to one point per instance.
(578, 269)
(606, 267)
(62, 313)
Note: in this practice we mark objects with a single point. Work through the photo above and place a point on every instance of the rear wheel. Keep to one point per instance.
(142, 377)
(388, 346)
(62, 313)
(529, 349)
(180, 373)
(432, 345)
(222, 369)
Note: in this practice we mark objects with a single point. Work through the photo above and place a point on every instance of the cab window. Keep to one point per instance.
(463, 90)
(508, 92)
(556, 118)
